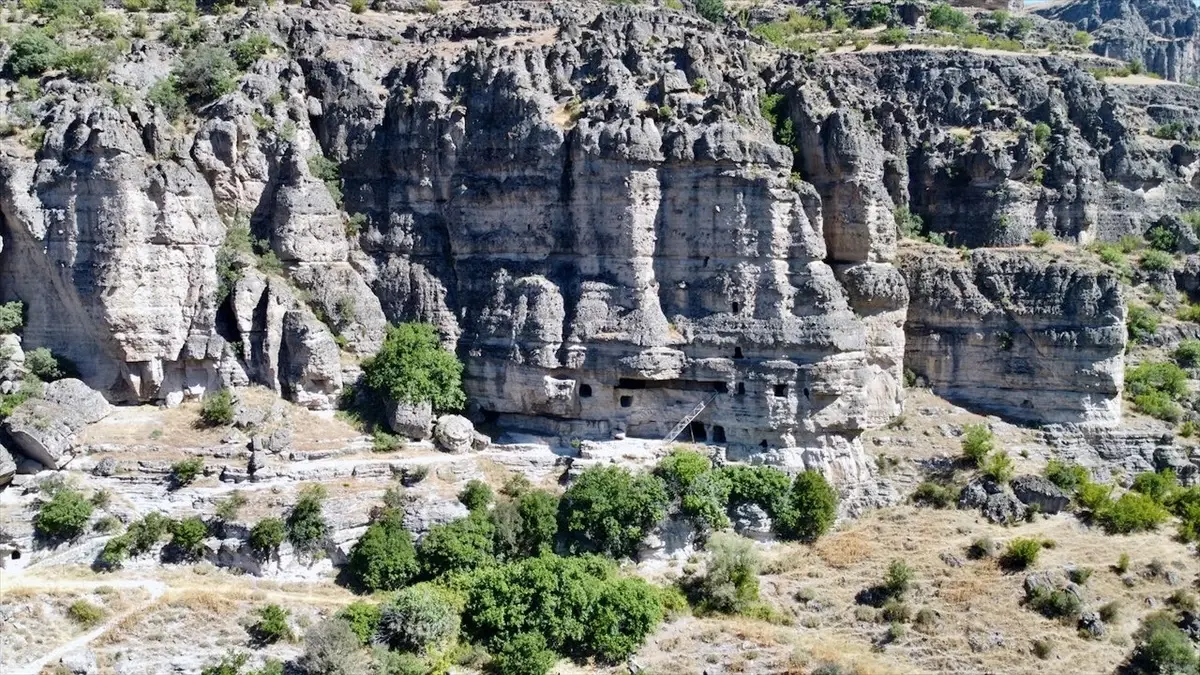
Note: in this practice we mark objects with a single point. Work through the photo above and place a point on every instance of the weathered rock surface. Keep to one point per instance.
(454, 433)
(1015, 334)
(1036, 490)
(44, 429)
(414, 421)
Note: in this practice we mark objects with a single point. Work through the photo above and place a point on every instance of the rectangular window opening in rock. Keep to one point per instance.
(626, 401)
(780, 390)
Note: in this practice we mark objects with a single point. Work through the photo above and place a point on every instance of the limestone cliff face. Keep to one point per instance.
(1017, 334)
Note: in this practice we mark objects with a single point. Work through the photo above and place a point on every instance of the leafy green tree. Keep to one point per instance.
(271, 625)
(680, 469)
(250, 49)
(384, 558)
(363, 619)
(306, 526)
(204, 74)
(944, 17)
(411, 366)
(524, 654)
(610, 510)
(713, 10)
(812, 507)
(977, 443)
(33, 52)
(332, 648)
(266, 536)
(63, 517)
(539, 522)
(187, 537)
(765, 486)
(165, 95)
(11, 316)
(419, 618)
(476, 496)
(458, 546)
(1156, 486)
(43, 365)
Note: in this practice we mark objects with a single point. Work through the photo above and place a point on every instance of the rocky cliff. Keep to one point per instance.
(613, 213)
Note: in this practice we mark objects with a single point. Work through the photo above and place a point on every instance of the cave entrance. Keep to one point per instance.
(626, 401)
(585, 391)
(718, 435)
(699, 435)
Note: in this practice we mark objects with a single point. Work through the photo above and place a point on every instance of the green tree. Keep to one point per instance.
(250, 49)
(271, 625)
(610, 510)
(266, 536)
(458, 546)
(476, 495)
(384, 558)
(43, 365)
(218, 408)
(419, 618)
(166, 97)
(187, 537)
(63, 517)
(11, 316)
(713, 10)
(332, 648)
(205, 73)
(33, 52)
(306, 526)
(363, 619)
(977, 443)
(680, 469)
(524, 654)
(411, 366)
(812, 508)
(944, 17)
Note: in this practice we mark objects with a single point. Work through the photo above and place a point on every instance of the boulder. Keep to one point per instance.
(424, 511)
(411, 420)
(276, 442)
(1036, 490)
(1004, 509)
(8, 466)
(752, 521)
(454, 433)
(976, 492)
(44, 428)
(1092, 624)
(105, 467)
(12, 359)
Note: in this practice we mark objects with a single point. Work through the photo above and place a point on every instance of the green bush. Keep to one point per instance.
(418, 619)
(1056, 604)
(228, 509)
(166, 97)
(187, 537)
(332, 648)
(247, 51)
(899, 578)
(894, 36)
(33, 52)
(1132, 512)
(384, 558)
(1041, 133)
(1066, 476)
(1094, 497)
(388, 662)
(306, 526)
(878, 14)
(680, 469)
(765, 486)
(1158, 405)
(977, 443)
(944, 17)
(1156, 261)
(998, 466)
(271, 625)
(1040, 238)
(145, 533)
(89, 64)
(266, 536)
(1162, 239)
(1157, 486)
(812, 508)
(64, 517)
(1163, 649)
(218, 408)
(43, 365)
(12, 316)
(935, 495)
(476, 496)
(185, 471)
(204, 74)
(580, 606)
(1187, 354)
(609, 510)
(524, 654)
(730, 581)
(458, 546)
(713, 10)
(1021, 553)
(85, 613)
(411, 366)
(362, 618)
(526, 526)
(706, 501)
(1157, 376)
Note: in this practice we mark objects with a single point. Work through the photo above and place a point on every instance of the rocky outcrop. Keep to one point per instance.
(1036, 491)
(1016, 334)
(43, 429)
(1161, 34)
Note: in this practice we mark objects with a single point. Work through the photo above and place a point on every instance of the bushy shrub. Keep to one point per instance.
(680, 469)
(43, 365)
(12, 317)
(165, 96)
(266, 536)
(944, 17)
(1156, 261)
(1040, 238)
(85, 613)
(204, 74)
(1158, 405)
(218, 408)
(250, 49)
(33, 52)
(476, 495)
(185, 471)
(1094, 497)
(384, 558)
(1157, 376)
(1157, 486)
(332, 648)
(764, 486)
(610, 510)
(362, 618)
(936, 495)
(1056, 604)
(998, 466)
(706, 501)
(525, 526)
(1140, 323)
(411, 366)
(580, 606)
(228, 509)
(1021, 553)
(306, 526)
(713, 10)
(1132, 512)
(1163, 649)
(64, 517)
(1187, 354)
(894, 36)
(1162, 239)
(271, 625)
(89, 64)
(458, 546)
(524, 654)
(419, 618)
(977, 443)
(730, 582)
(812, 507)
(899, 577)
(187, 537)
(1066, 476)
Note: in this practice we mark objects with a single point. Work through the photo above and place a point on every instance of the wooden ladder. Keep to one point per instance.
(687, 419)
